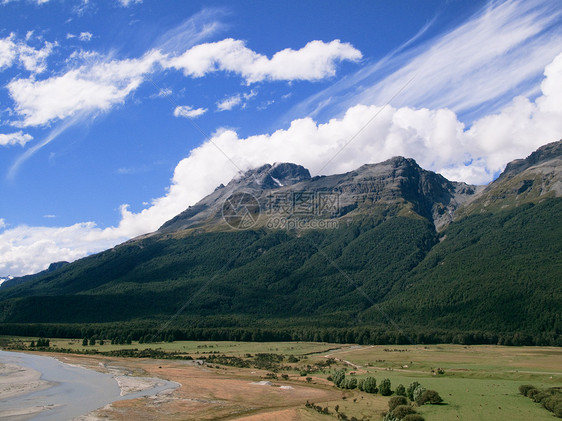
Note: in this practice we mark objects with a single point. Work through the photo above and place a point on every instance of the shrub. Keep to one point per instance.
(558, 410)
(413, 417)
(552, 402)
(385, 388)
(402, 410)
(430, 396)
(532, 392)
(370, 385)
(390, 417)
(524, 389)
(539, 397)
(396, 401)
(400, 390)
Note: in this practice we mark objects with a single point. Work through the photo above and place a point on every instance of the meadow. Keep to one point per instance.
(476, 382)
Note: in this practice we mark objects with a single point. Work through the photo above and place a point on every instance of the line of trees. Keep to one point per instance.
(122, 333)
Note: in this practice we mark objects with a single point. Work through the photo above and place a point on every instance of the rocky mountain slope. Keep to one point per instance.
(390, 187)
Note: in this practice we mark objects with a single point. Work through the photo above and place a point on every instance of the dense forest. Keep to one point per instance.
(489, 278)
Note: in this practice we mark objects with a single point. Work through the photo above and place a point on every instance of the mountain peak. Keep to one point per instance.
(273, 176)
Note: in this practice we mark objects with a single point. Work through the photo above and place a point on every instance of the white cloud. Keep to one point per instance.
(236, 100)
(25, 250)
(435, 138)
(101, 83)
(89, 88)
(127, 3)
(7, 51)
(17, 138)
(85, 36)
(316, 60)
(229, 103)
(188, 112)
(35, 60)
(38, 2)
(2, 223)
(31, 59)
(164, 92)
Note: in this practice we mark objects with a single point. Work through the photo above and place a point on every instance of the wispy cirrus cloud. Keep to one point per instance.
(472, 69)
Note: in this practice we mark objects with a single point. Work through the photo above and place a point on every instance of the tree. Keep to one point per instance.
(92, 341)
(400, 390)
(85, 342)
(339, 377)
(385, 388)
(410, 390)
(360, 384)
(32, 344)
(350, 383)
(418, 393)
(370, 385)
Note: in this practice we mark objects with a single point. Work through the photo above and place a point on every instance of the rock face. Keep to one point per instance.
(385, 189)
(528, 180)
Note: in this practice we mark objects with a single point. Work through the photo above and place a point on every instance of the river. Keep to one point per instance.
(71, 391)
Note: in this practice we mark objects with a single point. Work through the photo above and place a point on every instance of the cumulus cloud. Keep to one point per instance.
(25, 250)
(316, 60)
(101, 83)
(188, 112)
(17, 138)
(88, 88)
(435, 138)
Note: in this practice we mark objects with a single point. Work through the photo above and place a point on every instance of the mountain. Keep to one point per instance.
(389, 247)
(11, 281)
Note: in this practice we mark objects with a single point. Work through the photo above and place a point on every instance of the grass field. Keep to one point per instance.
(479, 382)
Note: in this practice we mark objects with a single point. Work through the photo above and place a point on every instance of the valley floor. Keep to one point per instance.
(479, 382)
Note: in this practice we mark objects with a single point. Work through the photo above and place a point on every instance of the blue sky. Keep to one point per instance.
(117, 115)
